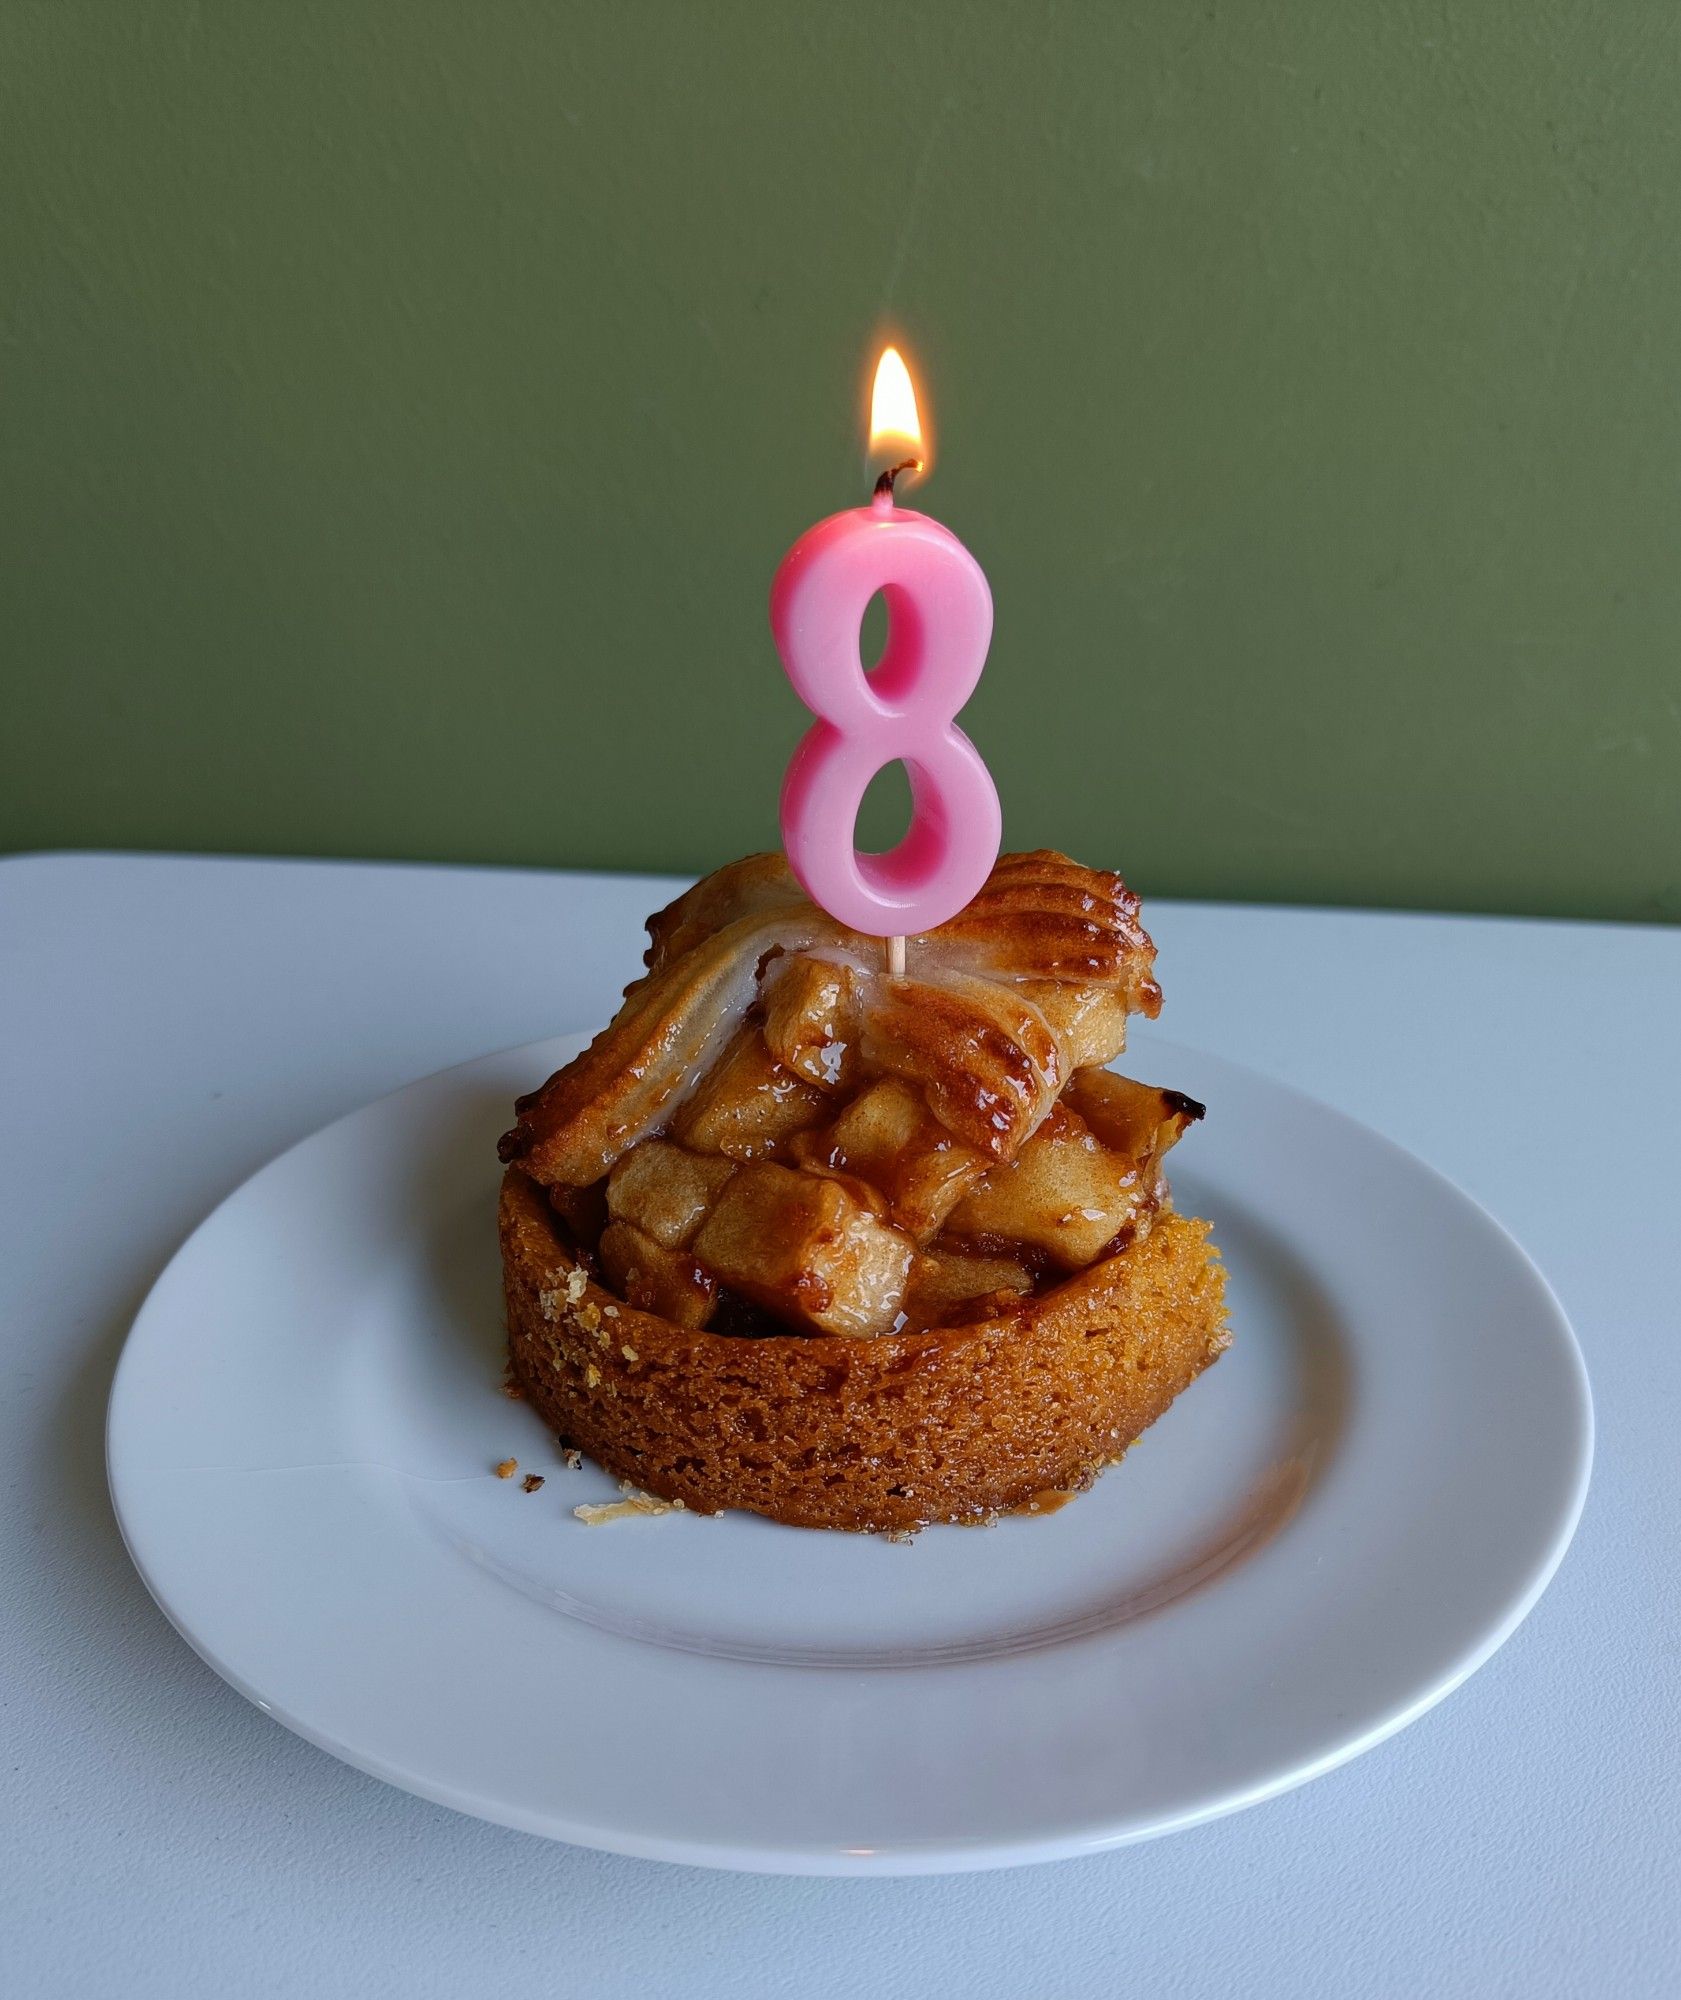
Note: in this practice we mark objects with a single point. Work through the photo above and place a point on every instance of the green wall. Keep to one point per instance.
(406, 406)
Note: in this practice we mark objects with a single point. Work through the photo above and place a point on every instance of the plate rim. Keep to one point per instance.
(985, 1852)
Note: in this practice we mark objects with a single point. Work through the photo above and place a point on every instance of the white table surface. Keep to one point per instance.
(167, 1024)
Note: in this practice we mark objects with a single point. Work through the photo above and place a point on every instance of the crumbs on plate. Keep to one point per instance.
(635, 1502)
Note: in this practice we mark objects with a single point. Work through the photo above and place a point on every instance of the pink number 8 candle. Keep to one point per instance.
(939, 612)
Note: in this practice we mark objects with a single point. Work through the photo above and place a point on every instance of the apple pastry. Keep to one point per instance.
(855, 1249)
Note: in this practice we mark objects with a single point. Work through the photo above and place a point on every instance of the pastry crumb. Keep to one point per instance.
(577, 1283)
(634, 1503)
(574, 1459)
(629, 1353)
(532, 1482)
(592, 1376)
(507, 1468)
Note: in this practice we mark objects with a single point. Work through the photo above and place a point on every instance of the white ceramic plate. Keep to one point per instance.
(1324, 1536)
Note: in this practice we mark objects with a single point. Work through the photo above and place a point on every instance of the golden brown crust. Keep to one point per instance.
(966, 1025)
(1010, 1068)
(1042, 916)
(664, 1037)
(755, 886)
(954, 1423)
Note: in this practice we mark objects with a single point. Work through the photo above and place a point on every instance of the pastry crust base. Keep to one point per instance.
(952, 1424)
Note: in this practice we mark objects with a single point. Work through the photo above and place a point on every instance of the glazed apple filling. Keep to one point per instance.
(777, 1135)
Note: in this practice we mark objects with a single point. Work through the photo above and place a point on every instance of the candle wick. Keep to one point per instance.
(884, 485)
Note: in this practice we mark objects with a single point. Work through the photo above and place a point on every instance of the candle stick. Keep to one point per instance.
(939, 613)
(884, 488)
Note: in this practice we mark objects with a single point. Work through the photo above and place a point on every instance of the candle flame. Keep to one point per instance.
(895, 423)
